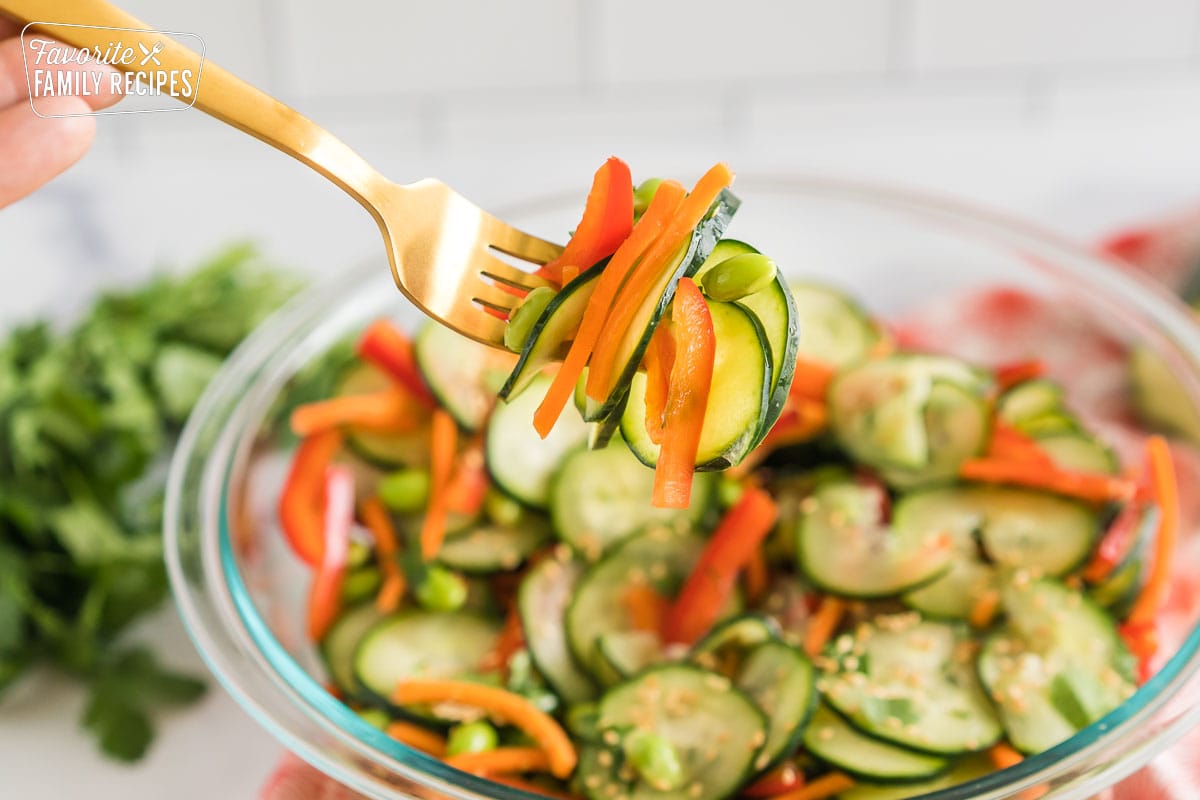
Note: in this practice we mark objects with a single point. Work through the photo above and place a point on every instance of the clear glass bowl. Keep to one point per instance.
(242, 593)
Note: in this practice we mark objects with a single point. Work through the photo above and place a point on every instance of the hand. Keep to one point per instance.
(34, 149)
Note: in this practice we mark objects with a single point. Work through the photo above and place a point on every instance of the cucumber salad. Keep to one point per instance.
(706, 533)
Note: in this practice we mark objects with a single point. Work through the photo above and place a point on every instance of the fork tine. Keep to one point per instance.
(502, 272)
(518, 244)
(494, 297)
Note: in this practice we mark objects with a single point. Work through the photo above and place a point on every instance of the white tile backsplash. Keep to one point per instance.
(973, 34)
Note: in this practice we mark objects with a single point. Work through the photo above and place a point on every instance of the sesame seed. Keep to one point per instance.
(695, 790)
(717, 683)
(825, 734)
(592, 781)
(605, 758)
(762, 761)
(758, 739)
(893, 723)
(612, 738)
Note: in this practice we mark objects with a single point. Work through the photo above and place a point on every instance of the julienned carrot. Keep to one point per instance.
(417, 738)
(1004, 755)
(687, 397)
(442, 449)
(756, 575)
(645, 607)
(662, 207)
(1009, 375)
(1009, 444)
(510, 640)
(385, 346)
(606, 222)
(783, 778)
(1166, 496)
(387, 549)
(1095, 488)
(984, 609)
(513, 708)
(469, 481)
(532, 788)
(1115, 543)
(826, 786)
(811, 379)
(502, 760)
(708, 588)
(645, 276)
(302, 502)
(391, 411)
(660, 357)
(324, 599)
(823, 624)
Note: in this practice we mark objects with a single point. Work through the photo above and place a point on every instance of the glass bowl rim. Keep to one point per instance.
(1146, 297)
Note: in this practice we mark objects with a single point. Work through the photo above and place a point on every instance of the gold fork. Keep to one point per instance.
(443, 249)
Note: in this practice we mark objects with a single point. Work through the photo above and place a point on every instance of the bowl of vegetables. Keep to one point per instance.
(844, 494)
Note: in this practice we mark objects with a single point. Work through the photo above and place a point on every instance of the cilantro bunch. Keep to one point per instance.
(87, 420)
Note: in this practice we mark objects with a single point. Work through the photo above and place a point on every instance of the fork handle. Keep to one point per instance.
(218, 93)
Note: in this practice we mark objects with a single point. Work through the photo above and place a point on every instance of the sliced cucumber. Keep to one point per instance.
(966, 770)
(521, 462)
(383, 450)
(994, 527)
(714, 729)
(542, 601)
(737, 399)
(1079, 452)
(599, 497)
(1160, 397)
(833, 740)
(658, 557)
(843, 546)
(632, 347)
(420, 644)
(341, 642)
(781, 681)
(1029, 400)
(1057, 667)
(623, 654)
(834, 329)
(738, 635)
(917, 416)
(776, 312)
(911, 683)
(461, 373)
(553, 331)
(495, 548)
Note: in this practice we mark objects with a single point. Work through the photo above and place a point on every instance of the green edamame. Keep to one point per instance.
(405, 491)
(655, 760)
(442, 590)
(643, 194)
(736, 277)
(375, 717)
(361, 583)
(502, 509)
(471, 737)
(729, 492)
(522, 319)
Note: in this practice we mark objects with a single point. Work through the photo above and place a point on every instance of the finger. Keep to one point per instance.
(8, 27)
(35, 149)
(14, 81)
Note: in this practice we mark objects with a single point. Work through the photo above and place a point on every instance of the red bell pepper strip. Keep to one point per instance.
(469, 481)
(660, 357)
(442, 450)
(783, 778)
(1009, 444)
(607, 221)
(386, 347)
(810, 380)
(324, 599)
(1009, 375)
(731, 546)
(660, 211)
(645, 276)
(1115, 543)
(687, 398)
(302, 502)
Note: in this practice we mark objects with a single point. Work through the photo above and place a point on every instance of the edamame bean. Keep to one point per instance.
(643, 194)
(520, 322)
(405, 491)
(502, 509)
(655, 760)
(736, 277)
(582, 720)
(442, 590)
(729, 492)
(361, 583)
(471, 737)
(375, 717)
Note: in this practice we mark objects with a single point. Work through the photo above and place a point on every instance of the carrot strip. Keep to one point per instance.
(660, 357)
(1009, 375)
(302, 502)
(1009, 444)
(828, 785)
(687, 397)
(607, 219)
(501, 760)
(646, 608)
(510, 640)
(469, 481)
(532, 788)
(1084, 486)
(983, 611)
(666, 201)
(443, 444)
(811, 379)
(1166, 496)
(823, 624)
(707, 589)
(783, 778)
(511, 707)
(417, 738)
(390, 411)
(387, 548)
(1003, 755)
(645, 275)
(1114, 544)
(756, 576)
